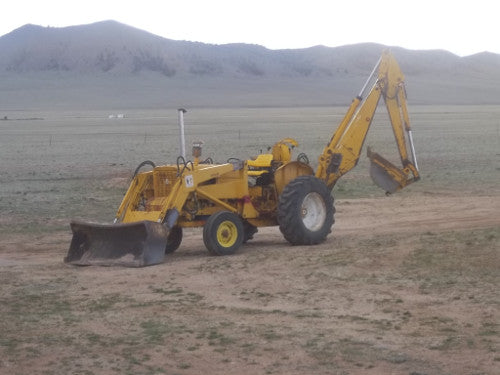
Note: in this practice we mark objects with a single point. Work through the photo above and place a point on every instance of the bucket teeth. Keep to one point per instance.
(136, 244)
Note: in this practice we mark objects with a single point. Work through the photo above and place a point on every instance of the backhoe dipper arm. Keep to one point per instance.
(343, 151)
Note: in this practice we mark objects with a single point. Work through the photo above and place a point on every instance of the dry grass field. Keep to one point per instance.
(406, 284)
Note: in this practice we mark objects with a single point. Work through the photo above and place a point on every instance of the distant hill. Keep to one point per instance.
(109, 64)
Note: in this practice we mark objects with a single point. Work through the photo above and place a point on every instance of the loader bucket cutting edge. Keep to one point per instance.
(136, 244)
(383, 179)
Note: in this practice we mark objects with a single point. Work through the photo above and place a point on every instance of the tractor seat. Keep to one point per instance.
(260, 165)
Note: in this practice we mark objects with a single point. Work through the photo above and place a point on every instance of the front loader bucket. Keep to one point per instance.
(130, 245)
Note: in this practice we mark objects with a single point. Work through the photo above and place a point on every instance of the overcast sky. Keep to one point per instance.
(463, 27)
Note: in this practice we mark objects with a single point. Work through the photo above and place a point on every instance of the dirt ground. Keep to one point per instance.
(406, 284)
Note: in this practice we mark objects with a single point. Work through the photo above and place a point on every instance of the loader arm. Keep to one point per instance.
(343, 151)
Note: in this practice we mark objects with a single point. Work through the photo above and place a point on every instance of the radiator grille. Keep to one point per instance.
(163, 180)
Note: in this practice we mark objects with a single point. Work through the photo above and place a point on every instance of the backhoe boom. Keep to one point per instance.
(344, 149)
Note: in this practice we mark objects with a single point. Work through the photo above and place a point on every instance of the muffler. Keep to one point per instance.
(135, 244)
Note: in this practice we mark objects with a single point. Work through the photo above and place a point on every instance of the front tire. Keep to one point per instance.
(223, 233)
(305, 211)
(174, 239)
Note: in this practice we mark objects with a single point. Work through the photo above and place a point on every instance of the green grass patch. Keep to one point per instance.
(446, 259)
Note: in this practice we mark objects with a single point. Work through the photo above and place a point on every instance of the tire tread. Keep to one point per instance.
(290, 222)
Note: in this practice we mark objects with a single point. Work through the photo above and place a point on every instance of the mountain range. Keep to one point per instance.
(109, 64)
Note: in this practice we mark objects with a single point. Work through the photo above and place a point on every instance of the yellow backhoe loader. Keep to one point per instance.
(231, 200)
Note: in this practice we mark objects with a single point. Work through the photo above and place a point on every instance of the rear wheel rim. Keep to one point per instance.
(313, 211)
(227, 233)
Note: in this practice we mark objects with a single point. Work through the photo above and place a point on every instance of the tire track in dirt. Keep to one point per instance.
(415, 214)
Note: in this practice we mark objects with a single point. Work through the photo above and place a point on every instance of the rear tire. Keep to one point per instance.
(305, 211)
(223, 233)
(174, 239)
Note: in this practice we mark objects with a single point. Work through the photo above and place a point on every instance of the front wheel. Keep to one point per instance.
(174, 239)
(223, 233)
(305, 211)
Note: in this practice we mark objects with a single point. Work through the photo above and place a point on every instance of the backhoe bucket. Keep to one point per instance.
(385, 174)
(131, 245)
(384, 179)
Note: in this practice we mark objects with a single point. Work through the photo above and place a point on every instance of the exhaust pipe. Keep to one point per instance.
(182, 140)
